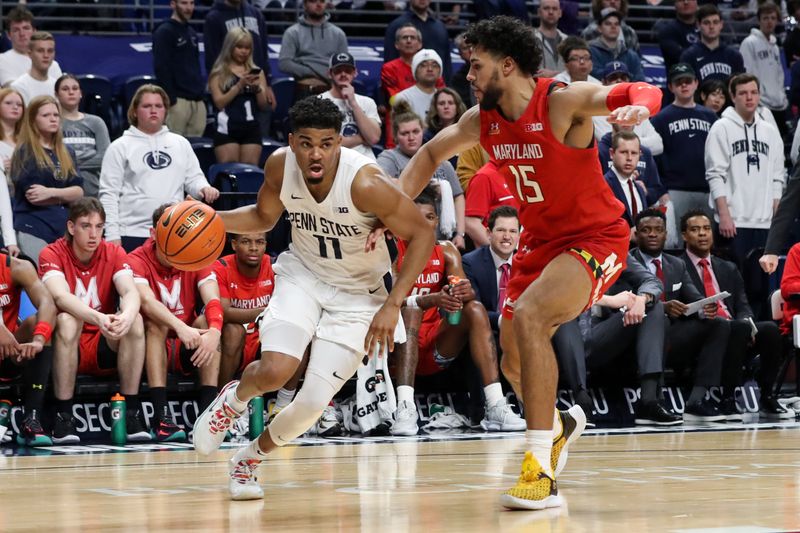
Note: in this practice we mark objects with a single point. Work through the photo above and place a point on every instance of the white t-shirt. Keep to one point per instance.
(419, 100)
(13, 65)
(349, 126)
(30, 88)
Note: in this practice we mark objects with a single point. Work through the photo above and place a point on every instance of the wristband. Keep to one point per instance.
(411, 302)
(213, 314)
(637, 93)
(44, 329)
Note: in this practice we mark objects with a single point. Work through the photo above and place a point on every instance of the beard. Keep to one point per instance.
(491, 95)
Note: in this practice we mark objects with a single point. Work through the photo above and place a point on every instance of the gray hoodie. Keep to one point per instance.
(762, 58)
(306, 49)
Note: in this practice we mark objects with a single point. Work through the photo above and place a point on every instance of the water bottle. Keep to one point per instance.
(454, 317)
(5, 417)
(119, 431)
(256, 411)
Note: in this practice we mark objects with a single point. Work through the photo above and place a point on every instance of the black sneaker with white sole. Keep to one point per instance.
(64, 429)
(135, 427)
(702, 411)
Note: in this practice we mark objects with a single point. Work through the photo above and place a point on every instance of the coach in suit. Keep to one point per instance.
(690, 336)
(710, 275)
(621, 177)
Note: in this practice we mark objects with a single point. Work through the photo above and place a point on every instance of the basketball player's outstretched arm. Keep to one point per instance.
(268, 208)
(374, 192)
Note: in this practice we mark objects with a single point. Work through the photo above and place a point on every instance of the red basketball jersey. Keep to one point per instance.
(244, 292)
(561, 190)
(9, 294)
(431, 280)
(176, 289)
(93, 282)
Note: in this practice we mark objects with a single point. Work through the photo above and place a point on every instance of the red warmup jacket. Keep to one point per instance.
(790, 284)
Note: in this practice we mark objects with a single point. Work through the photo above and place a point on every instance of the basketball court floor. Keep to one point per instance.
(740, 479)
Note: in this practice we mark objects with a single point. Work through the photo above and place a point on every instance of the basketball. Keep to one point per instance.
(190, 235)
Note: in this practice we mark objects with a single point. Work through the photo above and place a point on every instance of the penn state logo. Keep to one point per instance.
(157, 160)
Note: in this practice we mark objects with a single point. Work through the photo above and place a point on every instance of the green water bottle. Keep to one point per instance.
(119, 432)
(256, 411)
(453, 318)
(5, 417)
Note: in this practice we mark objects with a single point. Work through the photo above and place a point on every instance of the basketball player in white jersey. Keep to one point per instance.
(328, 290)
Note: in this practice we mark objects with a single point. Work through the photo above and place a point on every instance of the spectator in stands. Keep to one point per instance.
(427, 68)
(239, 89)
(622, 176)
(683, 126)
(762, 58)
(361, 124)
(446, 109)
(246, 282)
(577, 60)
(691, 340)
(711, 275)
(791, 43)
(626, 36)
(12, 109)
(607, 47)
(459, 81)
(85, 133)
(646, 169)
(306, 48)
(148, 165)
(99, 329)
(485, 9)
(408, 133)
(16, 61)
(176, 63)
(709, 57)
(439, 342)
(170, 298)
(469, 162)
(433, 32)
(37, 81)
(45, 178)
(489, 266)
(26, 343)
(551, 37)
(744, 169)
(713, 94)
(617, 72)
(487, 191)
(676, 35)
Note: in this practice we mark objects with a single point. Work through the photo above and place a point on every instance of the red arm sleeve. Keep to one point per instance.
(638, 93)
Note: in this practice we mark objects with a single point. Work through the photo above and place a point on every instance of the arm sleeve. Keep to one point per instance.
(790, 282)
(111, 176)
(717, 161)
(162, 61)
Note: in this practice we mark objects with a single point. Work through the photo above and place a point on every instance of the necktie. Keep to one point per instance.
(708, 284)
(505, 270)
(660, 276)
(634, 208)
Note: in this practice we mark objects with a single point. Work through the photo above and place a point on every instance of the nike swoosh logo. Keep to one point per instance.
(692, 135)
(165, 223)
(296, 197)
(376, 290)
(337, 376)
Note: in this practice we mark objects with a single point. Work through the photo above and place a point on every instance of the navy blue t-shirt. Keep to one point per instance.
(720, 63)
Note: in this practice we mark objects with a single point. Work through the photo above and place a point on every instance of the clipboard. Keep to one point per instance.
(699, 304)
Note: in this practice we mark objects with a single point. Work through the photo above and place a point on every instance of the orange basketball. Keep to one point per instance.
(190, 235)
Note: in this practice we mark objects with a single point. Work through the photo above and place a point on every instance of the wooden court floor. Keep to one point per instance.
(727, 481)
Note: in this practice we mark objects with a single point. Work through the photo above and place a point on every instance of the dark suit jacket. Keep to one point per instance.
(637, 279)
(479, 267)
(729, 279)
(679, 285)
(613, 182)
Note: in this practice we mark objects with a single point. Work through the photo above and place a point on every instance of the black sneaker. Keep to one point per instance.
(653, 414)
(772, 410)
(64, 429)
(729, 408)
(583, 399)
(702, 411)
(135, 427)
(31, 433)
(166, 430)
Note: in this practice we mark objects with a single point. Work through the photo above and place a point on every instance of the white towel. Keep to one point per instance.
(447, 215)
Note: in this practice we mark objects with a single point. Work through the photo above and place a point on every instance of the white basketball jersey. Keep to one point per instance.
(329, 237)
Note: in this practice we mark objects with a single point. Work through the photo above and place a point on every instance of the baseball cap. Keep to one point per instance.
(609, 12)
(343, 58)
(615, 67)
(681, 70)
(426, 54)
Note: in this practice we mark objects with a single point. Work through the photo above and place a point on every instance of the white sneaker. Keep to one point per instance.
(405, 420)
(213, 424)
(329, 424)
(243, 484)
(500, 417)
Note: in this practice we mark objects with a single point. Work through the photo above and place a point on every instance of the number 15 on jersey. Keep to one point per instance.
(528, 189)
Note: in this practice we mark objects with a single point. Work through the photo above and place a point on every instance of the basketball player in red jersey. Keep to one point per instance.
(433, 343)
(85, 275)
(539, 133)
(26, 344)
(246, 282)
(169, 297)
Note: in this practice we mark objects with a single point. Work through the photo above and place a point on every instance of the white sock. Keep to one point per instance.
(251, 451)
(233, 400)
(284, 398)
(557, 425)
(405, 393)
(493, 392)
(540, 444)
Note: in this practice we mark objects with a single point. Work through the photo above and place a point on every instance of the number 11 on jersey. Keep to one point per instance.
(523, 174)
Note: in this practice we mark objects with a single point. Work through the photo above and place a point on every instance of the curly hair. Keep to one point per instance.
(316, 113)
(429, 196)
(504, 36)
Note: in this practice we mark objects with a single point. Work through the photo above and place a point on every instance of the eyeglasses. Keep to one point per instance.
(580, 59)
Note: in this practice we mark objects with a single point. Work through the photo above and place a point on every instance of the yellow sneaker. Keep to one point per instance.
(273, 413)
(573, 422)
(534, 490)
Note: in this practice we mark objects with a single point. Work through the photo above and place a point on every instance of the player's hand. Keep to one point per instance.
(13, 250)
(9, 347)
(208, 347)
(28, 350)
(710, 310)
(619, 300)
(458, 242)
(103, 321)
(768, 262)
(462, 290)
(120, 324)
(727, 227)
(381, 330)
(674, 308)
(209, 194)
(634, 315)
(378, 232)
(38, 194)
(189, 336)
(629, 115)
(447, 302)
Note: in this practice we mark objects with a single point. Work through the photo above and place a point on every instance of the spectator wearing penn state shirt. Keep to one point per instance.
(709, 57)
(176, 63)
(17, 61)
(677, 34)
(434, 33)
(683, 126)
